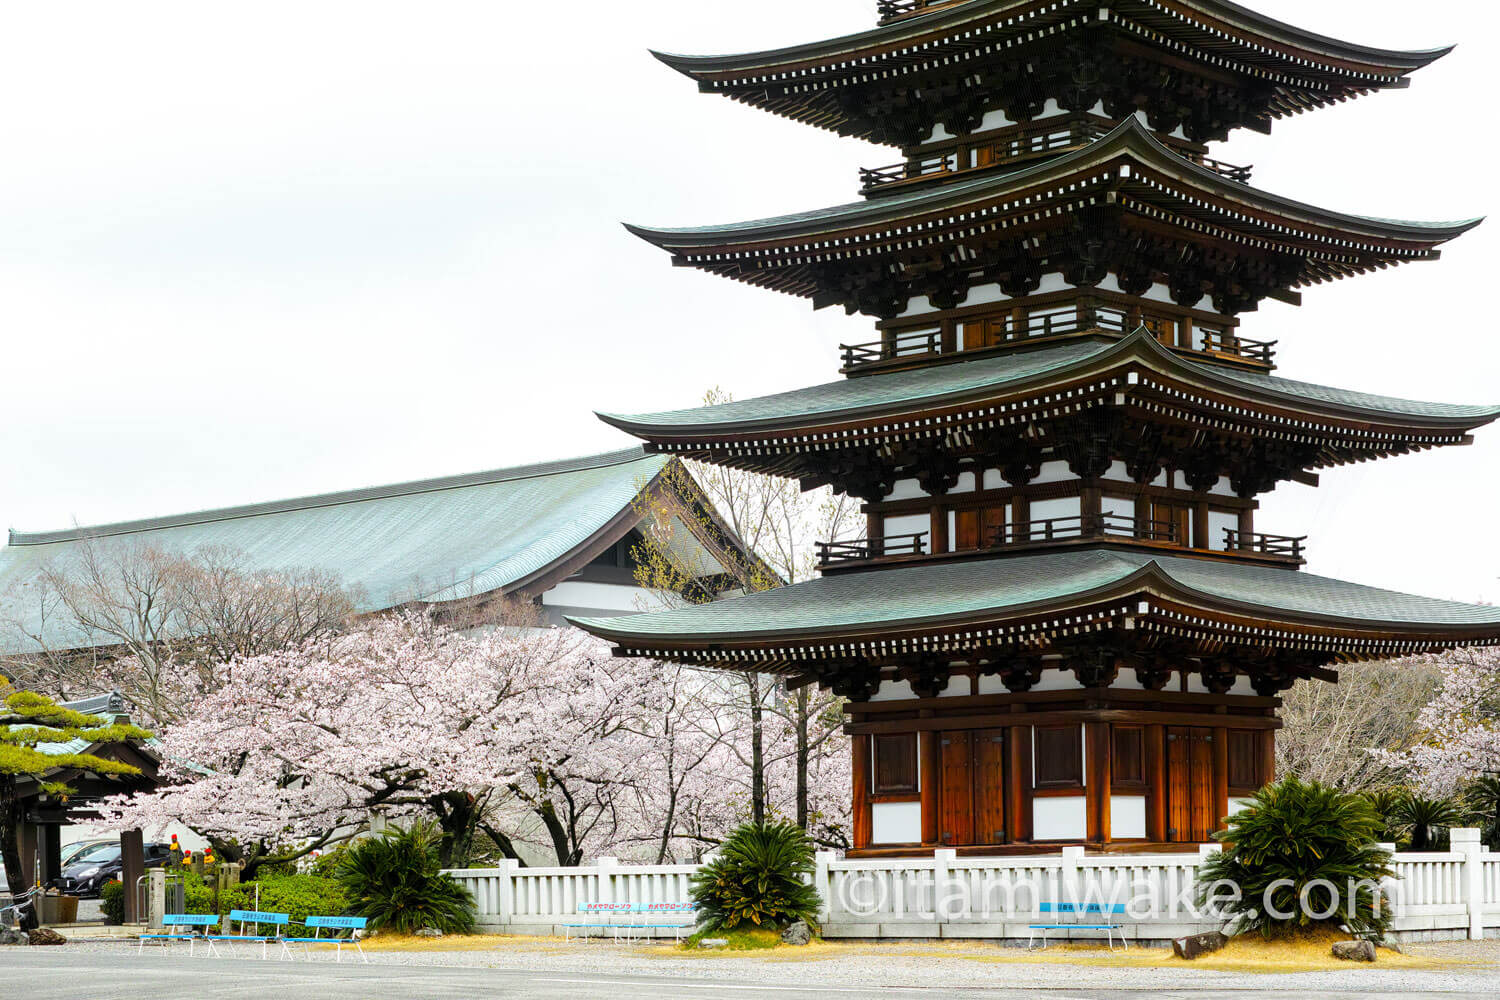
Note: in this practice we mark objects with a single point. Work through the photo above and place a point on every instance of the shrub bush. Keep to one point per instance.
(112, 901)
(300, 896)
(1426, 821)
(761, 876)
(395, 881)
(199, 896)
(1298, 837)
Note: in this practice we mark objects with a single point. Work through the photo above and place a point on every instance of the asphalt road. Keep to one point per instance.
(66, 974)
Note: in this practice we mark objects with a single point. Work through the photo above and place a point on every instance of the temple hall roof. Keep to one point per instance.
(1020, 599)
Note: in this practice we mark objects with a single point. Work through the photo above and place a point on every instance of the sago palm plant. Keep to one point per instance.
(761, 877)
(1303, 857)
(395, 881)
(1422, 818)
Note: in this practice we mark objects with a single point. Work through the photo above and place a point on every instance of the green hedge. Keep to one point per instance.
(301, 896)
(112, 902)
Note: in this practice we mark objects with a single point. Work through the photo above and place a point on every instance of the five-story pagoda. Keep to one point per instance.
(1064, 624)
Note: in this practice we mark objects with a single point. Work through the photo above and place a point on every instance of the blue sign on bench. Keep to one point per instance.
(175, 920)
(318, 924)
(1102, 914)
(255, 918)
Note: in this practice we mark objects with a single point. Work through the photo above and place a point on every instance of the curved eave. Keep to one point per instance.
(1155, 580)
(1137, 348)
(1263, 33)
(1130, 138)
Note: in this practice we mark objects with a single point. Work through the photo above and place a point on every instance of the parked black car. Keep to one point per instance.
(87, 873)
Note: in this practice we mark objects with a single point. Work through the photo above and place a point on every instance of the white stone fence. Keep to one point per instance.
(1452, 894)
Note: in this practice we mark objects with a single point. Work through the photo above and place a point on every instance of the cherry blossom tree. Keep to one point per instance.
(1459, 727)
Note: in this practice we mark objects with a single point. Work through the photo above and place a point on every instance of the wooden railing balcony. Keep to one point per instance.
(1059, 315)
(1284, 550)
(896, 10)
(1054, 529)
(1284, 546)
(1047, 137)
(838, 553)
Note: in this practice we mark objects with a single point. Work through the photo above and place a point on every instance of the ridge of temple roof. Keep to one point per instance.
(511, 474)
(1129, 136)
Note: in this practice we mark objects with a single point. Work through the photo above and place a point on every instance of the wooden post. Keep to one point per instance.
(862, 820)
(1200, 526)
(132, 867)
(1018, 786)
(927, 760)
(1267, 756)
(1096, 780)
(1246, 526)
(939, 536)
(1221, 777)
(1156, 783)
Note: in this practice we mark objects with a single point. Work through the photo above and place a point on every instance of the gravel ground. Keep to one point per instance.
(1476, 968)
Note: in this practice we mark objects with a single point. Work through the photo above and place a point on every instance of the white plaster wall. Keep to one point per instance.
(1118, 507)
(893, 691)
(983, 295)
(965, 483)
(1222, 488)
(1117, 472)
(896, 823)
(909, 524)
(1128, 680)
(918, 306)
(1059, 818)
(992, 684)
(1054, 472)
(1056, 507)
(1127, 817)
(905, 489)
(993, 480)
(603, 596)
(1056, 679)
(1052, 283)
(1235, 805)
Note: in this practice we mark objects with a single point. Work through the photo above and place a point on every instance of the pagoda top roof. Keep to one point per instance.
(995, 600)
(903, 394)
(1304, 69)
(1130, 138)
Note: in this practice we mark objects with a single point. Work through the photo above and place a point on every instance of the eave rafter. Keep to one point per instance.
(1136, 379)
(886, 84)
(1125, 202)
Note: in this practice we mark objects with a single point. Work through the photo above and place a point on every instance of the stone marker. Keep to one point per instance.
(1362, 950)
(1193, 945)
(798, 933)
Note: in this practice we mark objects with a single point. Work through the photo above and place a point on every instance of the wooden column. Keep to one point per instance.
(861, 817)
(1200, 526)
(1097, 780)
(939, 537)
(132, 867)
(50, 848)
(927, 757)
(1020, 506)
(1156, 783)
(1018, 787)
(1221, 777)
(1268, 756)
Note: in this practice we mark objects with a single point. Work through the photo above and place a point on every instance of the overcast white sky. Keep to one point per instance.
(262, 250)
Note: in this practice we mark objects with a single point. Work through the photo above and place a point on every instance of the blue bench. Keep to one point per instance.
(600, 910)
(254, 918)
(335, 924)
(175, 920)
(641, 913)
(1102, 914)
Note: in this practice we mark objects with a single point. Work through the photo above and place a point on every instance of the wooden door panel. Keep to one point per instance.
(956, 798)
(966, 527)
(1179, 761)
(989, 786)
(1203, 818)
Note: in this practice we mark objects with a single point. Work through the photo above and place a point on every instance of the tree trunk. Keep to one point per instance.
(10, 851)
(757, 752)
(802, 757)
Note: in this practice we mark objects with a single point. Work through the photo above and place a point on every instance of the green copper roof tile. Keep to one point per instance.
(874, 394)
(432, 540)
(943, 592)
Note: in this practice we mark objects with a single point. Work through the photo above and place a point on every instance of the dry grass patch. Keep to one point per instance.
(461, 942)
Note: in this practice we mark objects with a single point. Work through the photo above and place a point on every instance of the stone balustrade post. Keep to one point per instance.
(823, 883)
(606, 868)
(505, 892)
(1465, 840)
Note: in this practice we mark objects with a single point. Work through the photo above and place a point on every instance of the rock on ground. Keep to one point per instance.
(714, 943)
(1354, 951)
(1193, 945)
(798, 933)
(46, 935)
(429, 932)
(8, 936)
